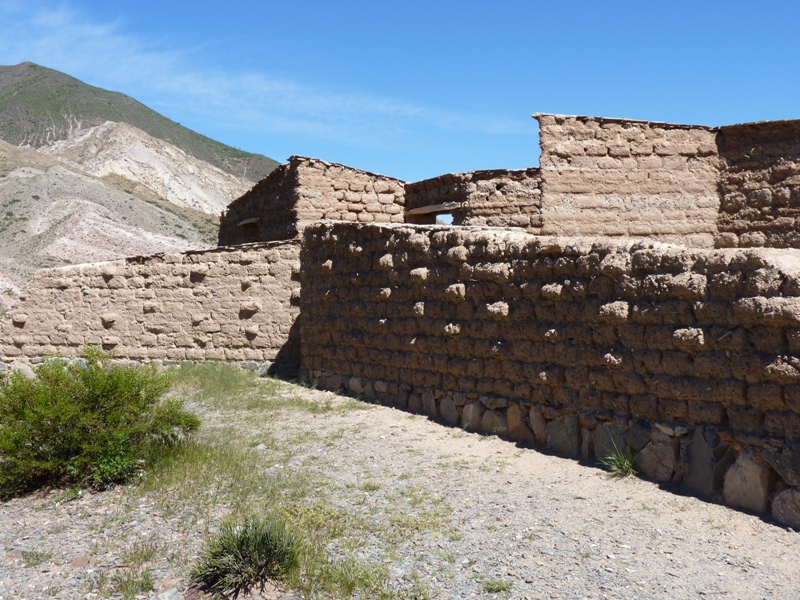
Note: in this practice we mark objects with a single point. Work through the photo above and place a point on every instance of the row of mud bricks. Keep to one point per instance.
(691, 353)
(704, 460)
(237, 304)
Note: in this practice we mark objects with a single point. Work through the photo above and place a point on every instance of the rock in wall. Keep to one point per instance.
(690, 357)
(760, 185)
(613, 177)
(235, 303)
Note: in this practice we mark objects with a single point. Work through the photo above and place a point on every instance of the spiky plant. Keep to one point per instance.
(620, 463)
(247, 554)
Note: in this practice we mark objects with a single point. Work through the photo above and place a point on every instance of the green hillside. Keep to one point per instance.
(39, 105)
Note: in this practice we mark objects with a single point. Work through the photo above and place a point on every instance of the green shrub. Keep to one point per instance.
(87, 423)
(248, 554)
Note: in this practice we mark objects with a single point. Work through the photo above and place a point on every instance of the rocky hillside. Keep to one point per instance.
(87, 174)
(53, 214)
(40, 106)
(123, 150)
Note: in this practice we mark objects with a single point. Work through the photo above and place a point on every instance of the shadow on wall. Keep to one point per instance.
(287, 361)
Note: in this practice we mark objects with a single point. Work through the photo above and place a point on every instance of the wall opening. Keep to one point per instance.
(249, 229)
(444, 219)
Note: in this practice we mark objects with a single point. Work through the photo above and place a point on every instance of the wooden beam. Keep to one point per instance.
(435, 208)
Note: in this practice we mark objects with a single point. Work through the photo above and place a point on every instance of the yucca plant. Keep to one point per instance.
(620, 463)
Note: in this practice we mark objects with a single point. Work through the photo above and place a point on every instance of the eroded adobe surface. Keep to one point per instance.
(620, 178)
(687, 355)
(497, 198)
(224, 304)
(760, 185)
(306, 190)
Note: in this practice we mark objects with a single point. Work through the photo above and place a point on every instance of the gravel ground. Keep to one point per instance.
(483, 514)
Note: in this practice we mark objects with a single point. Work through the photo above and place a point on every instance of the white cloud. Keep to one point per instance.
(102, 53)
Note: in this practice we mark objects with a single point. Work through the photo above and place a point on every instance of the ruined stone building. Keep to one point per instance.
(639, 289)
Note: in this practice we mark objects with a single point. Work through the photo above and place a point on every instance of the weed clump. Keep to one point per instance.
(248, 554)
(620, 463)
(85, 422)
(496, 586)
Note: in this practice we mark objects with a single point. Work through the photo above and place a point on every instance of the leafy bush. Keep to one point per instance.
(248, 554)
(85, 422)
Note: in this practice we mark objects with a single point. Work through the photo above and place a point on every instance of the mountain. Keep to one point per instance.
(119, 149)
(89, 175)
(40, 106)
(52, 214)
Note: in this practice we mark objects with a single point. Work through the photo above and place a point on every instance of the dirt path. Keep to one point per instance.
(478, 514)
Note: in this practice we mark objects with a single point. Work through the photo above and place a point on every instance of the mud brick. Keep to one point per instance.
(782, 423)
(768, 339)
(617, 404)
(602, 379)
(766, 396)
(673, 410)
(711, 312)
(632, 335)
(644, 406)
(747, 366)
(604, 334)
(712, 365)
(659, 337)
(677, 363)
(629, 382)
(745, 419)
(589, 399)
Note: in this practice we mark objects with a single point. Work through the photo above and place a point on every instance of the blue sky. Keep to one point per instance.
(415, 89)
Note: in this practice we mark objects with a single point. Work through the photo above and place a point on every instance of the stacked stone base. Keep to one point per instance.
(756, 474)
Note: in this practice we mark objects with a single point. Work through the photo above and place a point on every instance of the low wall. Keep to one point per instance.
(497, 198)
(306, 190)
(687, 356)
(616, 177)
(760, 185)
(236, 303)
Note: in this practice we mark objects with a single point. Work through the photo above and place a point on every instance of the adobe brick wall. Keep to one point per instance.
(307, 190)
(235, 303)
(760, 185)
(496, 198)
(614, 177)
(689, 356)
(270, 205)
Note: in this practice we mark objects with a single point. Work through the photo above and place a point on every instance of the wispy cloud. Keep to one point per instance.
(104, 54)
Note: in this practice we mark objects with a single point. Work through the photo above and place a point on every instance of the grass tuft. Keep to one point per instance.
(248, 554)
(133, 582)
(496, 586)
(34, 558)
(620, 463)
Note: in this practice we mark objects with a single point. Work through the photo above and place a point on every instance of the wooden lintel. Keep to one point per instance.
(249, 221)
(435, 208)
